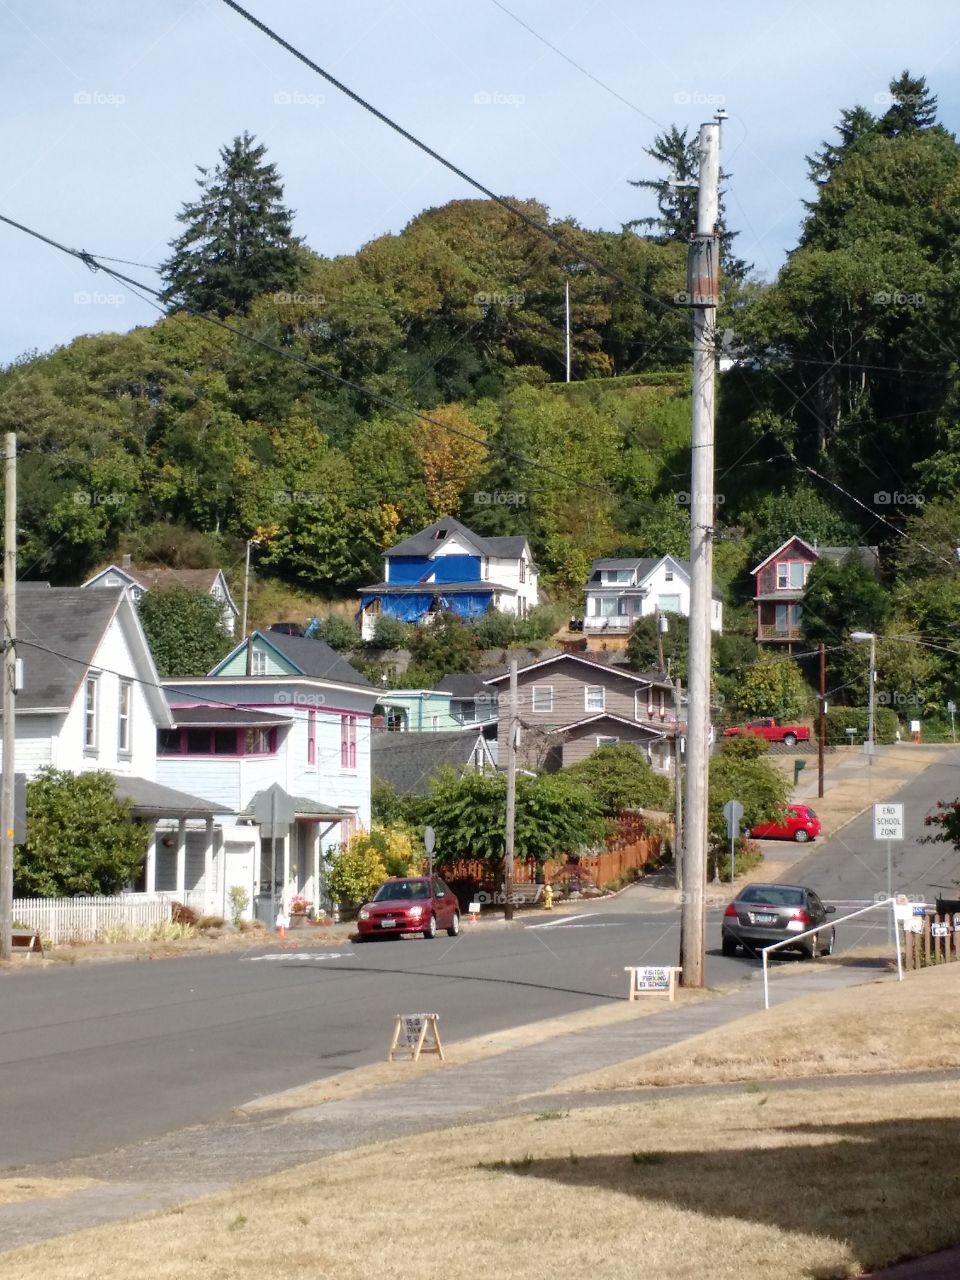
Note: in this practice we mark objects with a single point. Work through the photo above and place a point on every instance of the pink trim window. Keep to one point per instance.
(348, 742)
(312, 736)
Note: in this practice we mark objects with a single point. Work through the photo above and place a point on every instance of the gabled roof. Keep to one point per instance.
(407, 761)
(868, 556)
(147, 578)
(275, 802)
(783, 546)
(645, 567)
(308, 657)
(643, 729)
(60, 630)
(426, 542)
(588, 666)
(462, 684)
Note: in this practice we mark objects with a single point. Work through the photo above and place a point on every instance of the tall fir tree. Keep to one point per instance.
(238, 241)
(676, 194)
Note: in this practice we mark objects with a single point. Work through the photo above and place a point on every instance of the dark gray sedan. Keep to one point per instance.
(765, 913)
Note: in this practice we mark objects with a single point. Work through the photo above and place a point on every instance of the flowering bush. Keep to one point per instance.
(299, 906)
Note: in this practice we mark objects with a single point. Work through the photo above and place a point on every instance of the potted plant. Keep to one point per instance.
(299, 910)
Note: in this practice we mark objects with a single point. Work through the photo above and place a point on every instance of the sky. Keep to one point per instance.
(111, 105)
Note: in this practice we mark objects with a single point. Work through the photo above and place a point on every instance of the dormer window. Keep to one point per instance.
(441, 533)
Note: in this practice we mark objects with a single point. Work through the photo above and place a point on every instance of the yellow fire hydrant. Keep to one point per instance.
(548, 897)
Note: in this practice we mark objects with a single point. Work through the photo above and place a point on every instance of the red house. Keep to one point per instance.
(781, 580)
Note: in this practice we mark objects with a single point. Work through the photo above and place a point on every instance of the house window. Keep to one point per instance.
(168, 742)
(668, 575)
(396, 720)
(312, 736)
(668, 604)
(207, 741)
(618, 575)
(542, 698)
(607, 742)
(468, 711)
(257, 742)
(593, 697)
(609, 606)
(348, 742)
(91, 729)
(523, 569)
(125, 709)
(791, 575)
(258, 663)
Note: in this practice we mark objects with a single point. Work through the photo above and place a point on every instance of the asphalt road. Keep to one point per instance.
(94, 1056)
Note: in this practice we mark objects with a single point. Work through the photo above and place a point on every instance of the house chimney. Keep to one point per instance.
(126, 560)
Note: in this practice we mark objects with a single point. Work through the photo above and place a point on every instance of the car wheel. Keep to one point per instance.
(801, 836)
(810, 949)
(789, 739)
(454, 925)
(431, 930)
(728, 945)
(827, 950)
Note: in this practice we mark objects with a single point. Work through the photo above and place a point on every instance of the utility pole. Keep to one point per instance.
(567, 324)
(703, 274)
(246, 590)
(511, 795)
(822, 718)
(8, 783)
(660, 630)
(871, 729)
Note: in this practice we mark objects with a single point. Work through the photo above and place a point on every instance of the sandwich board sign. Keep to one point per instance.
(888, 822)
(410, 1036)
(645, 978)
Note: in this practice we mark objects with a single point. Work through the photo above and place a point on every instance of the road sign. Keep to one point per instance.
(651, 978)
(410, 1036)
(951, 707)
(888, 822)
(733, 812)
(429, 839)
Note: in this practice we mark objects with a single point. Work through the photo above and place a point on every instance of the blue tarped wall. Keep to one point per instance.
(406, 608)
(407, 570)
(468, 604)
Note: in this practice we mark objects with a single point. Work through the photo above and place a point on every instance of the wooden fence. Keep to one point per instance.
(937, 942)
(625, 853)
(86, 919)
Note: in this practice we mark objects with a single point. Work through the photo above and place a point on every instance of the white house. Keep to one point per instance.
(139, 579)
(446, 568)
(278, 736)
(620, 591)
(91, 700)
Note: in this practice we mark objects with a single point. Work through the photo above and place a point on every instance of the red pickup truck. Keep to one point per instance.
(772, 730)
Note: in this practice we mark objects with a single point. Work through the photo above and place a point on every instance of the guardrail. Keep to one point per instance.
(808, 933)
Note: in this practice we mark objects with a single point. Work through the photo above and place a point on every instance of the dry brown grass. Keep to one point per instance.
(881, 1026)
(350, 1084)
(15, 1190)
(749, 1187)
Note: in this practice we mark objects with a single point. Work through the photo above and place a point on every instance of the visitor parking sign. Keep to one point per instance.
(888, 822)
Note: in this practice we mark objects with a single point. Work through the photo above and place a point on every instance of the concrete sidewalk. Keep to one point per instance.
(199, 1161)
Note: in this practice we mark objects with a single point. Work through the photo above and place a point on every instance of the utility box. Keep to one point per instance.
(798, 768)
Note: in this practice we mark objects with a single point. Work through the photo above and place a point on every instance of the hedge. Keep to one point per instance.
(840, 719)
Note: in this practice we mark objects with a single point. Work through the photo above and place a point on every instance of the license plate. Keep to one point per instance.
(387, 924)
(761, 917)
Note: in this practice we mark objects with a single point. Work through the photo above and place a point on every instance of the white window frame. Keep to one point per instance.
(258, 663)
(668, 575)
(544, 689)
(607, 740)
(91, 714)
(593, 689)
(125, 718)
(672, 596)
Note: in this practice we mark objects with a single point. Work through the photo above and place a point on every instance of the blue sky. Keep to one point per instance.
(110, 105)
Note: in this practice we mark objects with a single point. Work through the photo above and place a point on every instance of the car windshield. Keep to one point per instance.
(774, 895)
(395, 889)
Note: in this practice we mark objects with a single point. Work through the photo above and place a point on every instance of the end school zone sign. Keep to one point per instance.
(888, 822)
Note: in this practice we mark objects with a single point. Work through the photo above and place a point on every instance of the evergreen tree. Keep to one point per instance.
(238, 242)
(676, 195)
(913, 107)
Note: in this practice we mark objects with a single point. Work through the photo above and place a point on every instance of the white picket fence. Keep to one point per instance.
(85, 919)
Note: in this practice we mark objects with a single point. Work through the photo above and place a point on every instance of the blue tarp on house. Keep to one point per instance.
(407, 571)
(467, 604)
(406, 608)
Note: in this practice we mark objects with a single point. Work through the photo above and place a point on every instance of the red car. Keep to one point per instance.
(772, 731)
(410, 904)
(800, 824)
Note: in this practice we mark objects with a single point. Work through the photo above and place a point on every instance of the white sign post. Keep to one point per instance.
(888, 826)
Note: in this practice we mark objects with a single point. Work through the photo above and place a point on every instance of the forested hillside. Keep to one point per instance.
(838, 420)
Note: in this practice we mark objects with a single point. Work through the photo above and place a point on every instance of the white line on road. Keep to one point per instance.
(304, 955)
(552, 924)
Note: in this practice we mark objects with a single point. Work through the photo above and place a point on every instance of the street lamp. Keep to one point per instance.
(871, 636)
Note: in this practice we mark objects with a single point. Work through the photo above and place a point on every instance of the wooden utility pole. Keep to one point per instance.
(8, 782)
(661, 667)
(703, 286)
(822, 718)
(677, 790)
(511, 794)
(246, 590)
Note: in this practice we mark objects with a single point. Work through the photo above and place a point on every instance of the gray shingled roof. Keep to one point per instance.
(425, 542)
(153, 800)
(644, 563)
(232, 717)
(408, 760)
(70, 621)
(314, 658)
(462, 684)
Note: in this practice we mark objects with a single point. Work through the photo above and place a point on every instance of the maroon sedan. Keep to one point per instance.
(410, 904)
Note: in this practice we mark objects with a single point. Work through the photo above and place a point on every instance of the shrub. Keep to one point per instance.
(239, 901)
(355, 870)
(840, 719)
(338, 632)
(621, 778)
(389, 633)
(181, 914)
(747, 854)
